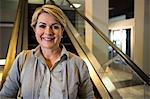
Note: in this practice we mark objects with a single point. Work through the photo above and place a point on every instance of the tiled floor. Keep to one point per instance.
(134, 92)
(127, 83)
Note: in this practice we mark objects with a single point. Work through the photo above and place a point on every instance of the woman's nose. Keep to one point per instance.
(49, 31)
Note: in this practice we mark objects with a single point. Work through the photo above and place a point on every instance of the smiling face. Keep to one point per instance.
(48, 31)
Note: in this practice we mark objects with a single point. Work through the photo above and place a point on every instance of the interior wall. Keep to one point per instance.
(5, 38)
(88, 29)
(139, 32)
(97, 12)
(142, 35)
(147, 37)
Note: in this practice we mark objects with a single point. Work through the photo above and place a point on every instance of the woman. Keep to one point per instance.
(49, 70)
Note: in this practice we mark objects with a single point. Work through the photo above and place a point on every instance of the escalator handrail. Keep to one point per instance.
(134, 67)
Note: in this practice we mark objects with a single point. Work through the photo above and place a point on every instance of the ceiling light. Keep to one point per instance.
(111, 8)
(76, 5)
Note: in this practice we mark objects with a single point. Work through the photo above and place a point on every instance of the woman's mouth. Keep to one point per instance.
(51, 38)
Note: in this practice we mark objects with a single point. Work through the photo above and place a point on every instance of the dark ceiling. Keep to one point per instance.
(121, 7)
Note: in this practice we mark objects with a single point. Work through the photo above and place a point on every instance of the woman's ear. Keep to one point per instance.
(63, 30)
(34, 29)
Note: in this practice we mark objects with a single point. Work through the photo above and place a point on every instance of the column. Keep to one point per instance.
(142, 35)
(147, 37)
(97, 12)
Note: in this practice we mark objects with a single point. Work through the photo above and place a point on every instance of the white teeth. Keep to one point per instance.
(48, 38)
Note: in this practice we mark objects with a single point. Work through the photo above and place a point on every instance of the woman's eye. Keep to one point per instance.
(56, 27)
(42, 26)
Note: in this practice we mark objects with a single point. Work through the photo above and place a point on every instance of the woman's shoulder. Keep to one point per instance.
(28, 52)
(25, 53)
(73, 56)
(75, 59)
(77, 62)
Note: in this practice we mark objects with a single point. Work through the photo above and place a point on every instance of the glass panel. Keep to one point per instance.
(127, 82)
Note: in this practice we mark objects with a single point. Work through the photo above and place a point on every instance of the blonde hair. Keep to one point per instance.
(50, 9)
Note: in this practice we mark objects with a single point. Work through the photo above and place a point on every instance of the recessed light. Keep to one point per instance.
(111, 8)
(76, 5)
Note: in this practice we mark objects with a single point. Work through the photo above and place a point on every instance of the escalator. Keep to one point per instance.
(114, 74)
(114, 66)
